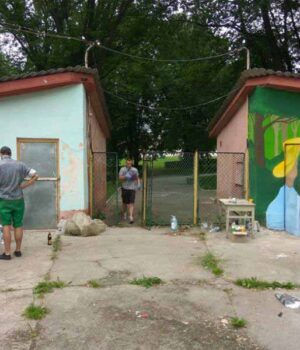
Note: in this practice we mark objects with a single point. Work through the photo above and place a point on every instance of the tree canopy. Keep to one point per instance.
(150, 100)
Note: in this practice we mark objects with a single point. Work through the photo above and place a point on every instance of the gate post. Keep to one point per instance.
(145, 190)
(196, 186)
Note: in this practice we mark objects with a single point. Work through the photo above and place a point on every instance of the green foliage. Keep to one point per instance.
(254, 283)
(147, 282)
(238, 322)
(211, 262)
(56, 245)
(33, 312)
(157, 29)
(94, 284)
(47, 287)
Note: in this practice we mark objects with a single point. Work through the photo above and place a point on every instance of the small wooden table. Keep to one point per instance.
(240, 209)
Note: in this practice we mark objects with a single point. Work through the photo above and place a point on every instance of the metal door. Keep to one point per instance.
(41, 199)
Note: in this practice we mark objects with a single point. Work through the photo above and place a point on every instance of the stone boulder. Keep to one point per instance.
(71, 229)
(82, 225)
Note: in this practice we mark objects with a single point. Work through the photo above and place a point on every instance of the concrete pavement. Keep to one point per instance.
(188, 311)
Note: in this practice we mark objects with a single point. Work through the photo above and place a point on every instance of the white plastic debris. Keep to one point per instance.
(280, 256)
(288, 301)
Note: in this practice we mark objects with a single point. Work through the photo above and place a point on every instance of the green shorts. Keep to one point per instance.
(12, 212)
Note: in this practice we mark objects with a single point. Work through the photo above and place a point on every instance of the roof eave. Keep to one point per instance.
(238, 98)
(57, 78)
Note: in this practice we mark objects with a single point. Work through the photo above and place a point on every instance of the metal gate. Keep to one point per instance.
(189, 185)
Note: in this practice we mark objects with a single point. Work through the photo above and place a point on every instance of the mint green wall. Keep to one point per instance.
(54, 113)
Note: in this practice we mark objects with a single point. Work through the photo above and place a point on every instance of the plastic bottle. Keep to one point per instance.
(174, 223)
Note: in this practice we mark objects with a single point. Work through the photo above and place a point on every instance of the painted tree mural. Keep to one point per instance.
(268, 112)
(274, 117)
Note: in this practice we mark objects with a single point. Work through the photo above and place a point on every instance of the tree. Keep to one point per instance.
(145, 98)
(267, 27)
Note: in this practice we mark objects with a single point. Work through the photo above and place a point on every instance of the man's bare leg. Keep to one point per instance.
(7, 239)
(18, 238)
(130, 209)
(124, 211)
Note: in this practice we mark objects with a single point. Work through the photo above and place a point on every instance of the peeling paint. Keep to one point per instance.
(70, 168)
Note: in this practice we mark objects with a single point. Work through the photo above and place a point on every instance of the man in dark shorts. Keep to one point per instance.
(130, 183)
(12, 175)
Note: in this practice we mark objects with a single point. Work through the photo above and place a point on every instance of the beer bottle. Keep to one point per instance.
(49, 238)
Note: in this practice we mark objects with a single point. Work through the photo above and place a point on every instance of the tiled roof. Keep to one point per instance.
(248, 74)
(77, 69)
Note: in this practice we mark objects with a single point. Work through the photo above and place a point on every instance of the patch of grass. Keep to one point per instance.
(34, 312)
(211, 262)
(94, 284)
(56, 245)
(202, 236)
(47, 287)
(238, 322)
(147, 282)
(254, 283)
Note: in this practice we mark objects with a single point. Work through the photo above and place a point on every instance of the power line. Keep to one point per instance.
(166, 108)
(184, 60)
(19, 28)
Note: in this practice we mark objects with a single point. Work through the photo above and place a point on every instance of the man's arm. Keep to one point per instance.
(29, 182)
(124, 175)
(33, 177)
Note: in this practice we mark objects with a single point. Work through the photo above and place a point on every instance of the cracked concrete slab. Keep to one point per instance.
(23, 272)
(108, 318)
(191, 310)
(270, 256)
(15, 330)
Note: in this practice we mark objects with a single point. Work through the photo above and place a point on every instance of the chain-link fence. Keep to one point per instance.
(105, 195)
(171, 188)
(221, 175)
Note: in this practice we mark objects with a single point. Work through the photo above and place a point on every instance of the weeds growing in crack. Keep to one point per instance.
(211, 262)
(34, 332)
(56, 247)
(238, 322)
(35, 312)
(254, 283)
(44, 287)
(94, 284)
(146, 282)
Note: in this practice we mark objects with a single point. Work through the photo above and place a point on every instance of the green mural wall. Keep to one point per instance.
(274, 117)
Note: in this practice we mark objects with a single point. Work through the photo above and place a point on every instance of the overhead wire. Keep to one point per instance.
(19, 28)
(183, 108)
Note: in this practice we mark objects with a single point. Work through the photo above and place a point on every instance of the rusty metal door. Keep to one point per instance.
(41, 199)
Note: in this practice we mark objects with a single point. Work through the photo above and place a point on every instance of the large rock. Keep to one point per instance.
(81, 219)
(72, 229)
(82, 225)
(95, 228)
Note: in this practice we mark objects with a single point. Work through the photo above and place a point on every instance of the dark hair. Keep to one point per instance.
(5, 151)
(129, 160)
